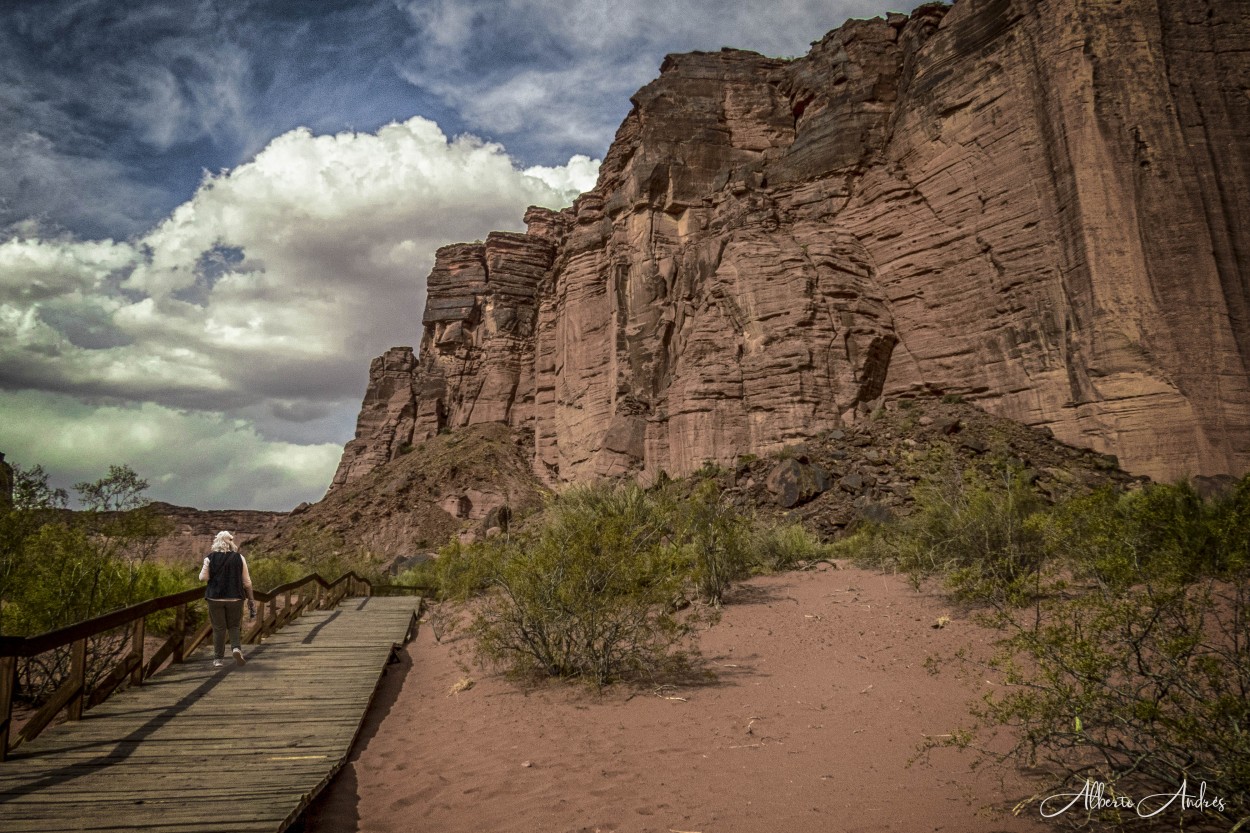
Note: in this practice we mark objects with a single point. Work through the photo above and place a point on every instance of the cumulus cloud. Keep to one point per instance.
(109, 111)
(265, 295)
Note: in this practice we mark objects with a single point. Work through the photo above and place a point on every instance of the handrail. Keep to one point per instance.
(75, 695)
(29, 646)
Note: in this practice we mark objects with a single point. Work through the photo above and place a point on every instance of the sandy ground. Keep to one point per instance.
(820, 701)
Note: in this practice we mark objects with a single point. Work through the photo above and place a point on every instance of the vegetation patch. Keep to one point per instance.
(1125, 651)
(609, 583)
(59, 567)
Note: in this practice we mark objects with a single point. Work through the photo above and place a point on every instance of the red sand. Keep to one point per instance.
(822, 698)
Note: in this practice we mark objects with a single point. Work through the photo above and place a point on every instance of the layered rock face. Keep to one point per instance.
(194, 529)
(1035, 204)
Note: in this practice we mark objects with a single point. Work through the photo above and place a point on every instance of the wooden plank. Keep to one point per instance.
(8, 685)
(78, 678)
(168, 648)
(37, 723)
(136, 762)
(112, 680)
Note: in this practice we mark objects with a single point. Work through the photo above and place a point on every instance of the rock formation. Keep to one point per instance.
(1035, 204)
(461, 483)
(192, 530)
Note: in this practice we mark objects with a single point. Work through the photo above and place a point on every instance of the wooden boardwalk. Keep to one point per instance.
(197, 748)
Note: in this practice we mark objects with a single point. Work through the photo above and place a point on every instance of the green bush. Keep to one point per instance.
(268, 572)
(786, 546)
(983, 536)
(423, 576)
(462, 572)
(1131, 665)
(58, 568)
(713, 540)
(610, 582)
(588, 595)
(1141, 688)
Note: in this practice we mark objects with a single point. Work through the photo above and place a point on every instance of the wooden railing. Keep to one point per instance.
(75, 696)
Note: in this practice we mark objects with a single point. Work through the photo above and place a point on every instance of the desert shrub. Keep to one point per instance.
(713, 540)
(982, 535)
(710, 470)
(611, 582)
(1141, 688)
(423, 576)
(268, 572)
(785, 546)
(589, 594)
(1131, 664)
(463, 571)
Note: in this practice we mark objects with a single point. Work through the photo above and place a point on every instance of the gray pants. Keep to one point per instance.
(225, 616)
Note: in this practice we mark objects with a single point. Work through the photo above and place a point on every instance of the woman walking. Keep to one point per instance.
(225, 570)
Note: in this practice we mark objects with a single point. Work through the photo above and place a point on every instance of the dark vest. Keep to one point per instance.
(225, 576)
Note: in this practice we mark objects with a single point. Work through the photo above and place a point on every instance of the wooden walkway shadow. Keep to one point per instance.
(197, 748)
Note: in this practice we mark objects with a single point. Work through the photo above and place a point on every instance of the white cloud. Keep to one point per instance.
(200, 459)
(578, 176)
(265, 295)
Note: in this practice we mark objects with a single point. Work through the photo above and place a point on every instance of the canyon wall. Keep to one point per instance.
(1034, 204)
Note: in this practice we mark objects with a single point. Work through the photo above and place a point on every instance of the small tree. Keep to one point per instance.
(35, 504)
(61, 567)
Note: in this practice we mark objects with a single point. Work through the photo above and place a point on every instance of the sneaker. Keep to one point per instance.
(239, 659)
(218, 663)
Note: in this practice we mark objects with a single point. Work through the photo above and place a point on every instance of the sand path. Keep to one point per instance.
(822, 696)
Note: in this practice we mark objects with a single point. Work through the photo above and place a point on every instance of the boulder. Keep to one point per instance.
(793, 482)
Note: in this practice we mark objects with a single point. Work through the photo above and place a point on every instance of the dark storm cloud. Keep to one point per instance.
(110, 112)
(244, 322)
(552, 77)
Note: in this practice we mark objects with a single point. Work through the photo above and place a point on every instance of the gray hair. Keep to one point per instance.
(224, 542)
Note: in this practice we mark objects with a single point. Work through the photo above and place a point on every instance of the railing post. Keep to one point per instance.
(78, 677)
(136, 648)
(180, 628)
(270, 626)
(8, 685)
(286, 611)
(316, 595)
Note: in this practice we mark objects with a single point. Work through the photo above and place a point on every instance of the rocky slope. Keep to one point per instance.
(465, 482)
(870, 470)
(1031, 203)
(194, 529)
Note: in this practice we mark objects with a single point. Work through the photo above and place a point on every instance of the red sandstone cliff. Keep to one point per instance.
(1036, 204)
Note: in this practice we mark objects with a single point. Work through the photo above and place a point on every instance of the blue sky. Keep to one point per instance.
(214, 214)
